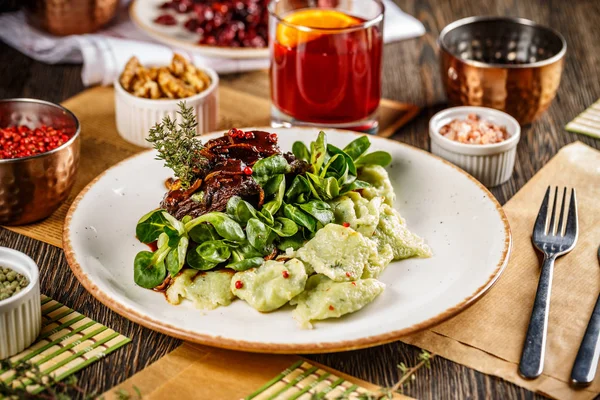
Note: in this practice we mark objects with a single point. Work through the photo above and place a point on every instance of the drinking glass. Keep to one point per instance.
(326, 60)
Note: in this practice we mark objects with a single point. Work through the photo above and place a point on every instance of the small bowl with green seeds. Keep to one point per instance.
(11, 282)
(20, 308)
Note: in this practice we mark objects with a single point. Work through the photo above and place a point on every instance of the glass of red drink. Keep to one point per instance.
(326, 59)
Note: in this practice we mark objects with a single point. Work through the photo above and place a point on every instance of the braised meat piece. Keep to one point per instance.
(230, 160)
(299, 167)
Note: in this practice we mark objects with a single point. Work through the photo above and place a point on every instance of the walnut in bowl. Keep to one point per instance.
(178, 80)
(145, 95)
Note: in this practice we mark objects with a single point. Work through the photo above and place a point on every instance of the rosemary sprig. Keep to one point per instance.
(66, 389)
(408, 373)
(178, 146)
(54, 390)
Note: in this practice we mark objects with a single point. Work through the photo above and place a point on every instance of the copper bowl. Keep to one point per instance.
(70, 17)
(31, 188)
(510, 64)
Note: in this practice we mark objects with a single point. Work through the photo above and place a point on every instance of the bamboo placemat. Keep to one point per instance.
(102, 147)
(588, 122)
(198, 372)
(67, 343)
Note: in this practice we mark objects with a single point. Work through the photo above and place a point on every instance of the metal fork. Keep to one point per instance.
(554, 240)
(586, 362)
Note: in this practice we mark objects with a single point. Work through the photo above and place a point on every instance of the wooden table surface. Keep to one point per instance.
(411, 75)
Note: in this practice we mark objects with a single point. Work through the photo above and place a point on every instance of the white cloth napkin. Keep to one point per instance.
(104, 53)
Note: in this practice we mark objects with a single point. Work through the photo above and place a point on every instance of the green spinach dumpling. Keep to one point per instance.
(207, 290)
(325, 298)
(271, 285)
(392, 231)
(380, 257)
(360, 213)
(336, 251)
(380, 182)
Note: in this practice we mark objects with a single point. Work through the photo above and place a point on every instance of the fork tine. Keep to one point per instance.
(552, 214)
(572, 217)
(559, 230)
(540, 222)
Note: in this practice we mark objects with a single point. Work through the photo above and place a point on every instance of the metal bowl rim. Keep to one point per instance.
(56, 150)
(523, 21)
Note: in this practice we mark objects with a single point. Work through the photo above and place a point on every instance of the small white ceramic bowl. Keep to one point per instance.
(491, 164)
(21, 314)
(135, 115)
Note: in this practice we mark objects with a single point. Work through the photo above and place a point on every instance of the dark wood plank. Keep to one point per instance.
(411, 74)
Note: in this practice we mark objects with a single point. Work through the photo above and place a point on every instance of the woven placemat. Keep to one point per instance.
(588, 122)
(68, 342)
(194, 371)
(303, 380)
(102, 147)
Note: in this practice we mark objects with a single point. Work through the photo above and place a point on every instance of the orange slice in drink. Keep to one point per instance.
(290, 36)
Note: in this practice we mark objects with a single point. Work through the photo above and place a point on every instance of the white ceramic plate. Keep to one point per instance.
(144, 12)
(461, 221)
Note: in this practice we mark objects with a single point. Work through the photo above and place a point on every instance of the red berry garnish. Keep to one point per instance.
(273, 138)
(239, 284)
(285, 274)
(230, 23)
(247, 171)
(249, 135)
(346, 224)
(166, 19)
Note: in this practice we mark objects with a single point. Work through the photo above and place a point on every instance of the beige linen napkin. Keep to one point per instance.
(489, 336)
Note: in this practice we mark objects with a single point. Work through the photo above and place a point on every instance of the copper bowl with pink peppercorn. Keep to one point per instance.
(33, 186)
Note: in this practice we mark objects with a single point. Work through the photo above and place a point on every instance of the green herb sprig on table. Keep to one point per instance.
(31, 375)
(178, 146)
(407, 375)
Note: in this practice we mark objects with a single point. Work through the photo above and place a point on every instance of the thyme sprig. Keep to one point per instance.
(178, 146)
(29, 374)
(408, 373)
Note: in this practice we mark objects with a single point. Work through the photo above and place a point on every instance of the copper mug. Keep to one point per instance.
(510, 64)
(70, 17)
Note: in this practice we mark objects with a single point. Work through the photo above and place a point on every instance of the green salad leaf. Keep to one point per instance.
(284, 227)
(320, 210)
(264, 169)
(318, 152)
(246, 263)
(382, 158)
(225, 226)
(150, 226)
(258, 235)
(301, 151)
(203, 233)
(300, 217)
(357, 147)
(349, 161)
(146, 272)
